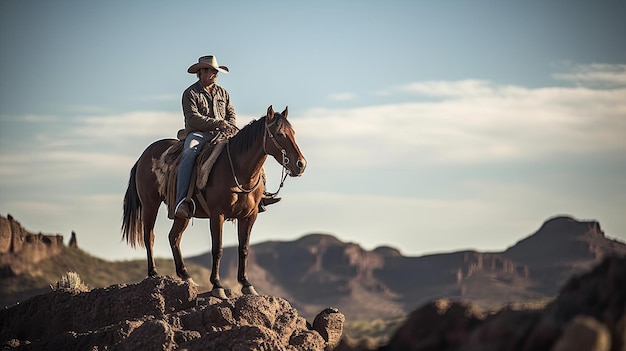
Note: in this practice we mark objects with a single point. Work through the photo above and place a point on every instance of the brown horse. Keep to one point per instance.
(232, 192)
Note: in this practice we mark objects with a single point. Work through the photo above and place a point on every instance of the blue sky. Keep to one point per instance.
(427, 126)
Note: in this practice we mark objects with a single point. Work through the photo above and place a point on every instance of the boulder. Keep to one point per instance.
(162, 313)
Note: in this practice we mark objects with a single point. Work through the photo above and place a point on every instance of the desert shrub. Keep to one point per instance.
(70, 282)
(371, 333)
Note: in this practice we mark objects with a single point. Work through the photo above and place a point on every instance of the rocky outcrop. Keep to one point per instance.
(19, 248)
(318, 270)
(589, 314)
(562, 246)
(73, 241)
(162, 314)
(474, 262)
(565, 236)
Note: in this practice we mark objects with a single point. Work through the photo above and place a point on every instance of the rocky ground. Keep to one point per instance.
(163, 314)
(316, 271)
(588, 315)
(167, 314)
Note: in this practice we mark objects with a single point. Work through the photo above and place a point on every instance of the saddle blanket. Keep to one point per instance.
(166, 169)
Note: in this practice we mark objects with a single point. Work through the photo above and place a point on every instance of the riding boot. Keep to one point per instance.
(267, 200)
(185, 169)
(182, 210)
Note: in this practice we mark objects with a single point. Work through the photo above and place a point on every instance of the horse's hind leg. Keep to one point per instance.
(176, 233)
(149, 219)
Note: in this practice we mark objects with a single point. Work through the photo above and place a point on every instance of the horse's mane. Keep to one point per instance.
(245, 138)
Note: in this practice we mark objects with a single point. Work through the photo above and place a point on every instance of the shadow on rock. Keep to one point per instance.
(163, 314)
(589, 314)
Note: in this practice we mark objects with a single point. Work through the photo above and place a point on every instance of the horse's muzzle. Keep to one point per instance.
(300, 166)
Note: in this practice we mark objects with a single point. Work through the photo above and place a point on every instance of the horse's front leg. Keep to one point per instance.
(217, 221)
(243, 230)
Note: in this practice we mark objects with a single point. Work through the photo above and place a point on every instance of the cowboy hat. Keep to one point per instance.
(206, 62)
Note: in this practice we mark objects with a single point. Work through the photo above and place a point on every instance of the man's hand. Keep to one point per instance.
(227, 128)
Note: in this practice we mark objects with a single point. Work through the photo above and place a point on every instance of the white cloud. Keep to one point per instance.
(598, 75)
(61, 167)
(91, 146)
(475, 123)
(135, 124)
(463, 88)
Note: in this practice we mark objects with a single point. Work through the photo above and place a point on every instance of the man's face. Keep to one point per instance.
(208, 76)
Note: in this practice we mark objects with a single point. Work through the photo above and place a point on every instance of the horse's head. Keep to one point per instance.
(281, 142)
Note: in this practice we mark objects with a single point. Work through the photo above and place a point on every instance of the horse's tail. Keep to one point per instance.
(132, 225)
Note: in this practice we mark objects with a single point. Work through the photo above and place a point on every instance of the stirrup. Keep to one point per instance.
(193, 207)
(192, 210)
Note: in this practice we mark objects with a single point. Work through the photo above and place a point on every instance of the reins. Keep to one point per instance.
(284, 163)
(232, 168)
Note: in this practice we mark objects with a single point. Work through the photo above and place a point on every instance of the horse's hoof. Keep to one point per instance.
(192, 283)
(249, 290)
(219, 293)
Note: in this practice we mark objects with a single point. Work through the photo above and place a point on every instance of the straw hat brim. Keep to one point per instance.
(197, 66)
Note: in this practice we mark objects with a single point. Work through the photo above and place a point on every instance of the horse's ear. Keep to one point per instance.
(284, 113)
(270, 113)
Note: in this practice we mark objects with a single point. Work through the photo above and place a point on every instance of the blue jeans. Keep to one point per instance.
(193, 145)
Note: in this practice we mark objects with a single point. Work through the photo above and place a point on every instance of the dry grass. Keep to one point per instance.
(70, 282)
(371, 333)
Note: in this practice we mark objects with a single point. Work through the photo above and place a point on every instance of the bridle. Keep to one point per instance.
(285, 161)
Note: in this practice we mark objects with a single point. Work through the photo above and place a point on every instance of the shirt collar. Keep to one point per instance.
(200, 87)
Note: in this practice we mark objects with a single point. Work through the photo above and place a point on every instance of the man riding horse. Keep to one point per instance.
(208, 110)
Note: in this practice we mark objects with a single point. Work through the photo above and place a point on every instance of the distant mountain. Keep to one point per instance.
(561, 247)
(30, 263)
(319, 270)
